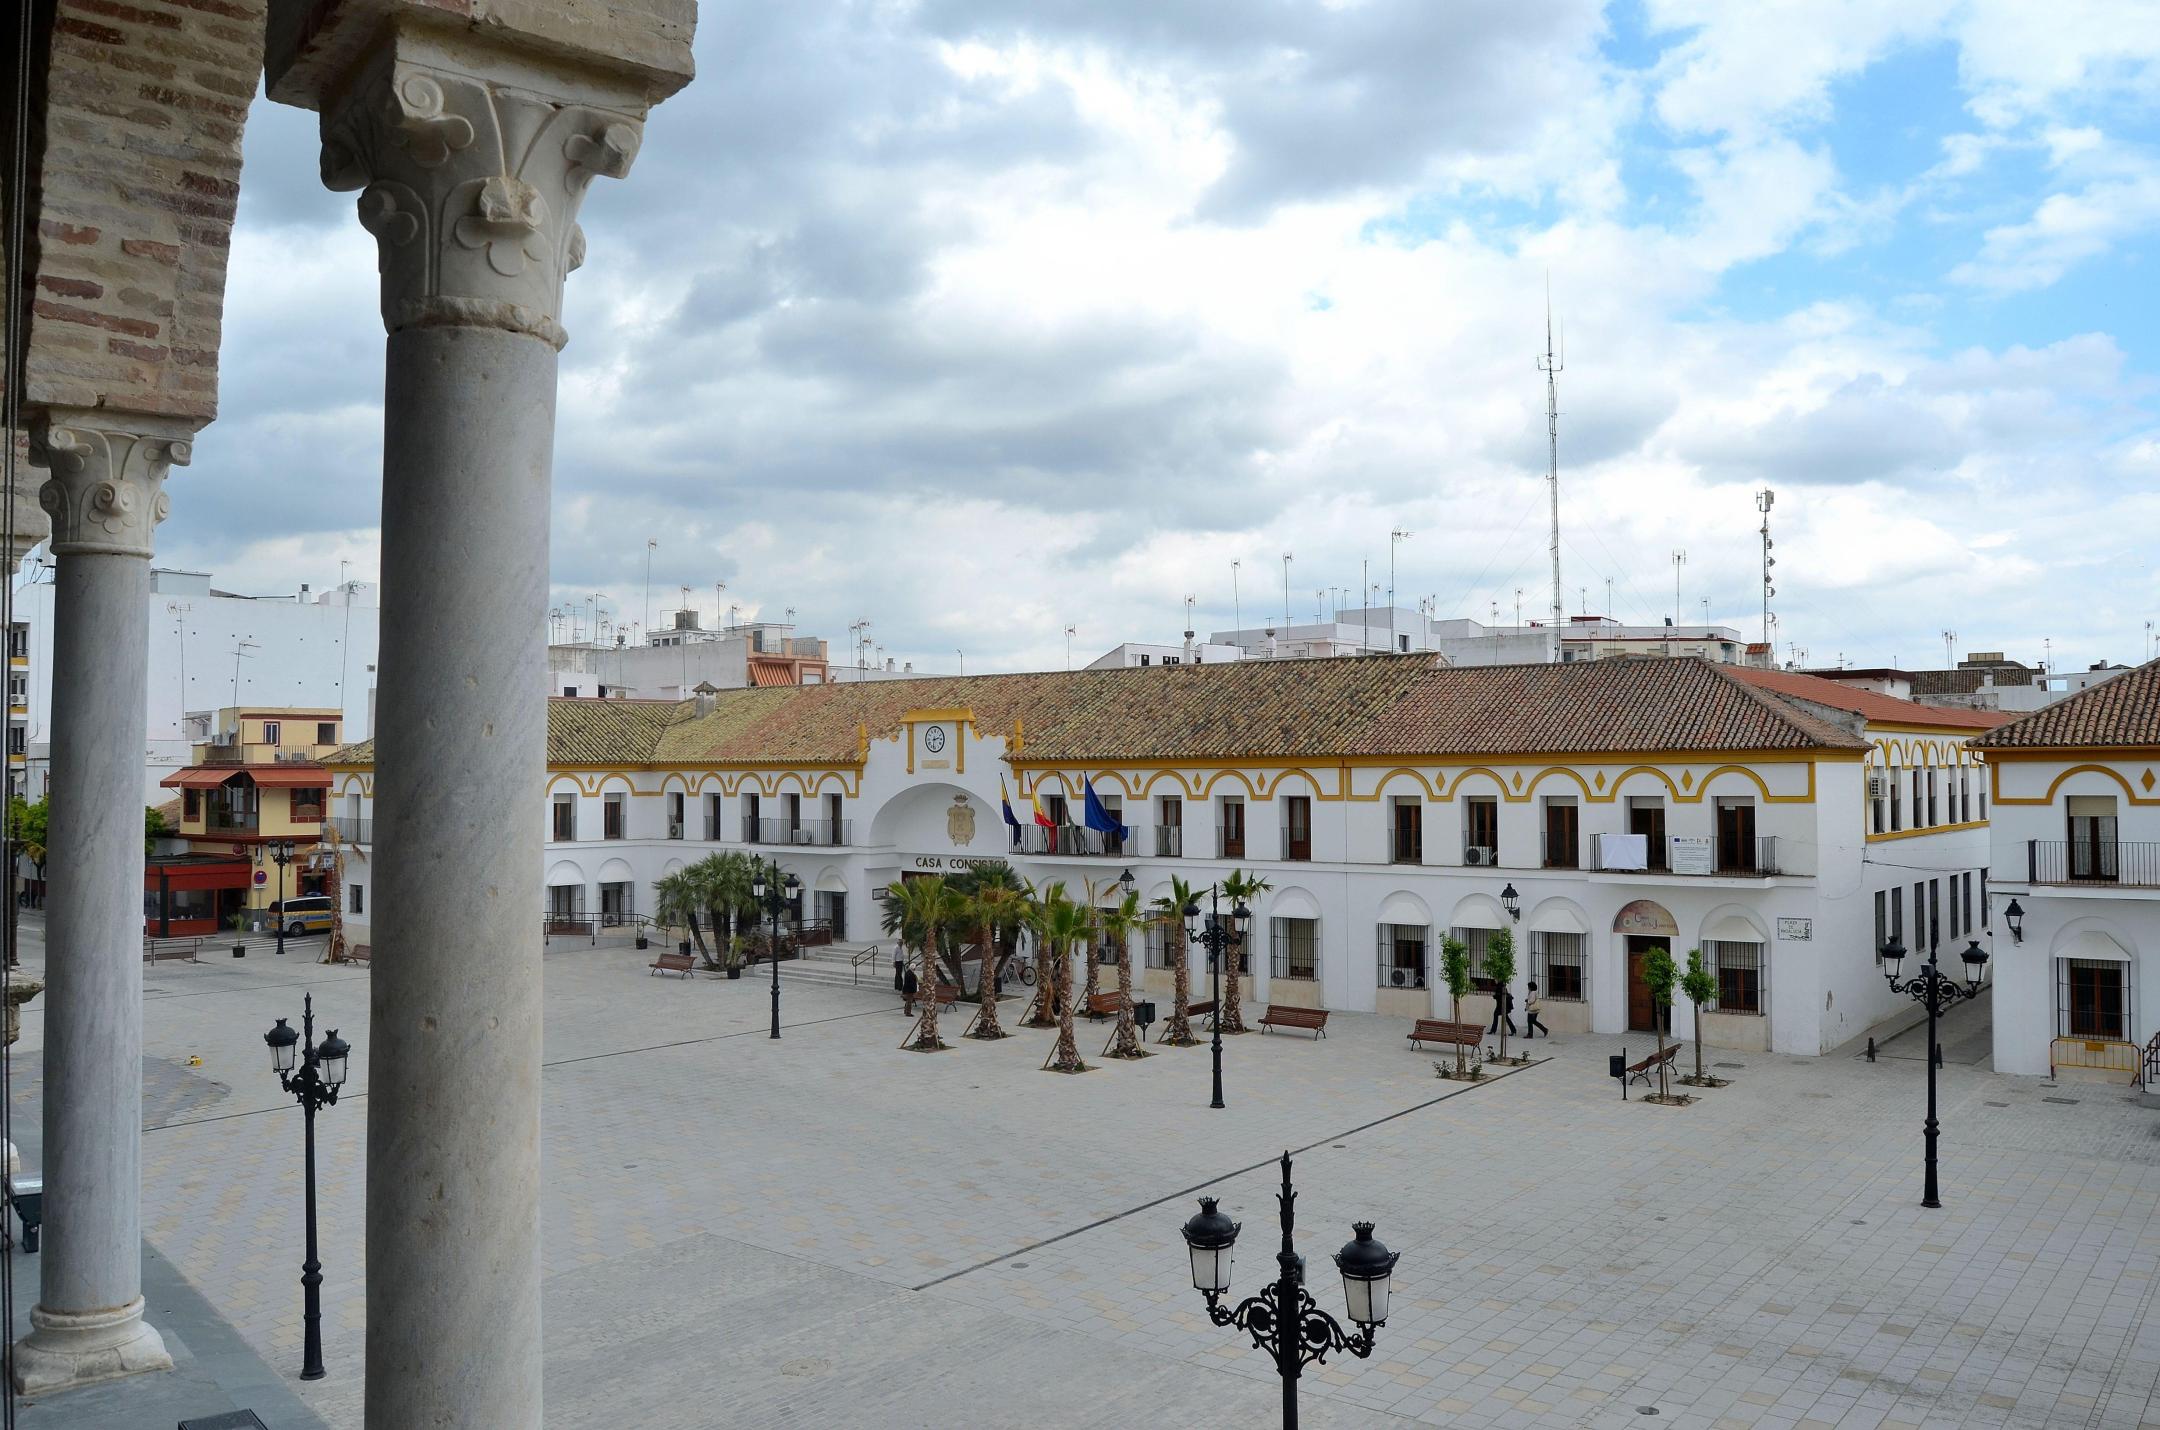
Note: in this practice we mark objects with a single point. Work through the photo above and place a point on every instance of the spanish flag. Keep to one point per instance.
(1043, 819)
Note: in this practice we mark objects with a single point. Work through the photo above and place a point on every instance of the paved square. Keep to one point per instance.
(829, 1231)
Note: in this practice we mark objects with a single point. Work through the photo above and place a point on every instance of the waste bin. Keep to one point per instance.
(1143, 1013)
(27, 1194)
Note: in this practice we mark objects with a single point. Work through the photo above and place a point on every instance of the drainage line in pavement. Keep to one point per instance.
(1224, 1177)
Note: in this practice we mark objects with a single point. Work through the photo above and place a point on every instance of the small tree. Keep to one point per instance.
(154, 829)
(680, 899)
(1659, 974)
(1455, 971)
(1240, 888)
(1700, 988)
(1500, 967)
(1117, 925)
(1169, 912)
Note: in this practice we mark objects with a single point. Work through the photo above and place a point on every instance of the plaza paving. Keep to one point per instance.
(829, 1231)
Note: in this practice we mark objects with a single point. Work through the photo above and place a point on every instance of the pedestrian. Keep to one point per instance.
(910, 985)
(1503, 1007)
(1531, 1026)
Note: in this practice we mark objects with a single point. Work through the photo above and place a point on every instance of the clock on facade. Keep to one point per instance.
(934, 739)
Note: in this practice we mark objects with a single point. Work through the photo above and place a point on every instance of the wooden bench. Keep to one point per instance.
(1105, 1005)
(1640, 1072)
(671, 963)
(1440, 1030)
(360, 953)
(172, 950)
(1312, 1019)
(1202, 1009)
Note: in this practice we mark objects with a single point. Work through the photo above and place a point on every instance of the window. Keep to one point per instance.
(1297, 827)
(2091, 996)
(1736, 835)
(1935, 911)
(326, 732)
(18, 740)
(675, 814)
(1919, 917)
(1646, 816)
(611, 816)
(191, 804)
(1897, 914)
(19, 642)
(1739, 971)
(1562, 825)
(565, 826)
(2092, 837)
(712, 818)
(1877, 785)
(1230, 832)
(1155, 947)
(1144, 660)
(1481, 830)
(1896, 788)
(1294, 948)
(1882, 920)
(356, 899)
(305, 806)
(271, 731)
(1983, 899)
(1931, 795)
(1955, 880)
(835, 831)
(1919, 800)
(1406, 843)
(1966, 900)
(751, 831)
(1474, 941)
(1558, 965)
(1402, 955)
(1169, 827)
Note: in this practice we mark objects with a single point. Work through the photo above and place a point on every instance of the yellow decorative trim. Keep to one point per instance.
(1886, 837)
(2110, 771)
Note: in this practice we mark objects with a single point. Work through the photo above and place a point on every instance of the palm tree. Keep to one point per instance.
(1118, 924)
(1034, 919)
(1096, 894)
(918, 909)
(1169, 911)
(997, 913)
(725, 880)
(1240, 888)
(1065, 926)
(680, 899)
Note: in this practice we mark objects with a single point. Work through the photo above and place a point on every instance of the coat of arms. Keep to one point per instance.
(960, 821)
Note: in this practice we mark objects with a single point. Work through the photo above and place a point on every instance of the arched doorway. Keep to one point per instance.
(1641, 926)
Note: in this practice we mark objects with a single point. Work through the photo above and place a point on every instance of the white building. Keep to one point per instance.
(211, 649)
(1596, 809)
(1146, 653)
(1381, 629)
(675, 662)
(2076, 839)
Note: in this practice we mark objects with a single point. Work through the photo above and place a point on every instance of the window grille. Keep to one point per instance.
(1294, 948)
(1559, 966)
(1740, 973)
(2092, 996)
(1402, 956)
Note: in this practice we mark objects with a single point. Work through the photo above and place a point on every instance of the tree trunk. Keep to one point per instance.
(986, 1025)
(1045, 989)
(930, 979)
(1128, 1041)
(1232, 1012)
(1699, 1079)
(1661, 1088)
(1456, 1005)
(1179, 1032)
(1066, 1058)
(697, 937)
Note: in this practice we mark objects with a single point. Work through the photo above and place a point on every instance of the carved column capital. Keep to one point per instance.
(105, 493)
(471, 183)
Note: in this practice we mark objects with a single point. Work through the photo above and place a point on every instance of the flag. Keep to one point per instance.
(1005, 801)
(1096, 817)
(1041, 818)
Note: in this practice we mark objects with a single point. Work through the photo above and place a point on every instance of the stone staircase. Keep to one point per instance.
(833, 965)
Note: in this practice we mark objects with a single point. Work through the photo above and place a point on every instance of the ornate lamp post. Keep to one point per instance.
(280, 851)
(321, 1073)
(1938, 993)
(773, 892)
(1218, 938)
(1283, 1319)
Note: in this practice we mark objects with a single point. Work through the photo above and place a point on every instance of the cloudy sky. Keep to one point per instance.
(981, 318)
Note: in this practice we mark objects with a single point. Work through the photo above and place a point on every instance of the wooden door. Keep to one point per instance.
(1641, 1013)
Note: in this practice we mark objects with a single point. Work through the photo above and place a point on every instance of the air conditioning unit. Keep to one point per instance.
(674, 830)
(1478, 854)
(1397, 977)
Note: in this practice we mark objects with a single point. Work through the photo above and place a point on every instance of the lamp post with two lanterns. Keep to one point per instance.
(1937, 992)
(281, 853)
(1219, 939)
(312, 1072)
(1283, 1319)
(772, 892)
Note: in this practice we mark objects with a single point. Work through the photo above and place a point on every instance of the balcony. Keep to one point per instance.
(1069, 841)
(822, 833)
(221, 822)
(1406, 846)
(2099, 862)
(1696, 857)
(1169, 841)
(1296, 847)
(1229, 844)
(354, 831)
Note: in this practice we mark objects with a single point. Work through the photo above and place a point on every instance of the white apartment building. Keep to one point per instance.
(1595, 809)
(1150, 653)
(674, 663)
(209, 649)
(2076, 837)
(1381, 629)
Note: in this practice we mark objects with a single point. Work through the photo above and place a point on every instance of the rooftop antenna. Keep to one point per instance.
(1679, 559)
(240, 653)
(1286, 592)
(652, 544)
(1949, 649)
(1069, 632)
(1551, 363)
(1190, 601)
(1764, 500)
(1394, 538)
(1237, 607)
(1319, 604)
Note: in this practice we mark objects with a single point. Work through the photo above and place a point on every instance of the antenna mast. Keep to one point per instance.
(1550, 364)
(1764, 500)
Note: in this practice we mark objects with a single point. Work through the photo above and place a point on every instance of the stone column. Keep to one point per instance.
(105, 496)
(471, 152)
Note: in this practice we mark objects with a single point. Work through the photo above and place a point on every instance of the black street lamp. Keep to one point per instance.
(1938, 993)
(1218, 938)
(1283, 1319)
(773, 893)
(321, 1073)
(281, 851)
(2014, 916)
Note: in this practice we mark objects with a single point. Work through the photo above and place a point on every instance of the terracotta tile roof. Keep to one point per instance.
(1283, 709)
(2121, 711)
(1869, 704)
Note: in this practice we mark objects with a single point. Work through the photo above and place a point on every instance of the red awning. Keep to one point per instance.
(198, 874)
(197, 779)
(762, 673)
(292, 777)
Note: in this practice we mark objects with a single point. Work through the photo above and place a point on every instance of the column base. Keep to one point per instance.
(67, 1348)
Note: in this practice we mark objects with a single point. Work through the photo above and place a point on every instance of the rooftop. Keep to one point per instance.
(2121, 711)
(1868, 704)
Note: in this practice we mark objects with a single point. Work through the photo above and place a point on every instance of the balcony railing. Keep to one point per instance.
(1406, 846)
(1562, 851)
(826, 833)
(2128, 865)
(1169, 841)
(354, 831)
(217, 823)
(1069, 841)
(1680, 854)
(1297, 846)
(1229, 845)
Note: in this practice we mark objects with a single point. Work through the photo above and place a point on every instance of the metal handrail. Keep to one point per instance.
(857, 963)
(2149, 1070)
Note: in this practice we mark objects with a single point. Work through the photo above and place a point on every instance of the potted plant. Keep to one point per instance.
(642, 940)
(735, 947)
(236, 923)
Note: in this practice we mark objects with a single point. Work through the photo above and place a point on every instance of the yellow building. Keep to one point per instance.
(257, 782)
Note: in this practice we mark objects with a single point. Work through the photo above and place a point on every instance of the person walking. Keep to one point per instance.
(1503, 1009)
(910, 985)
(1531, 1026)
